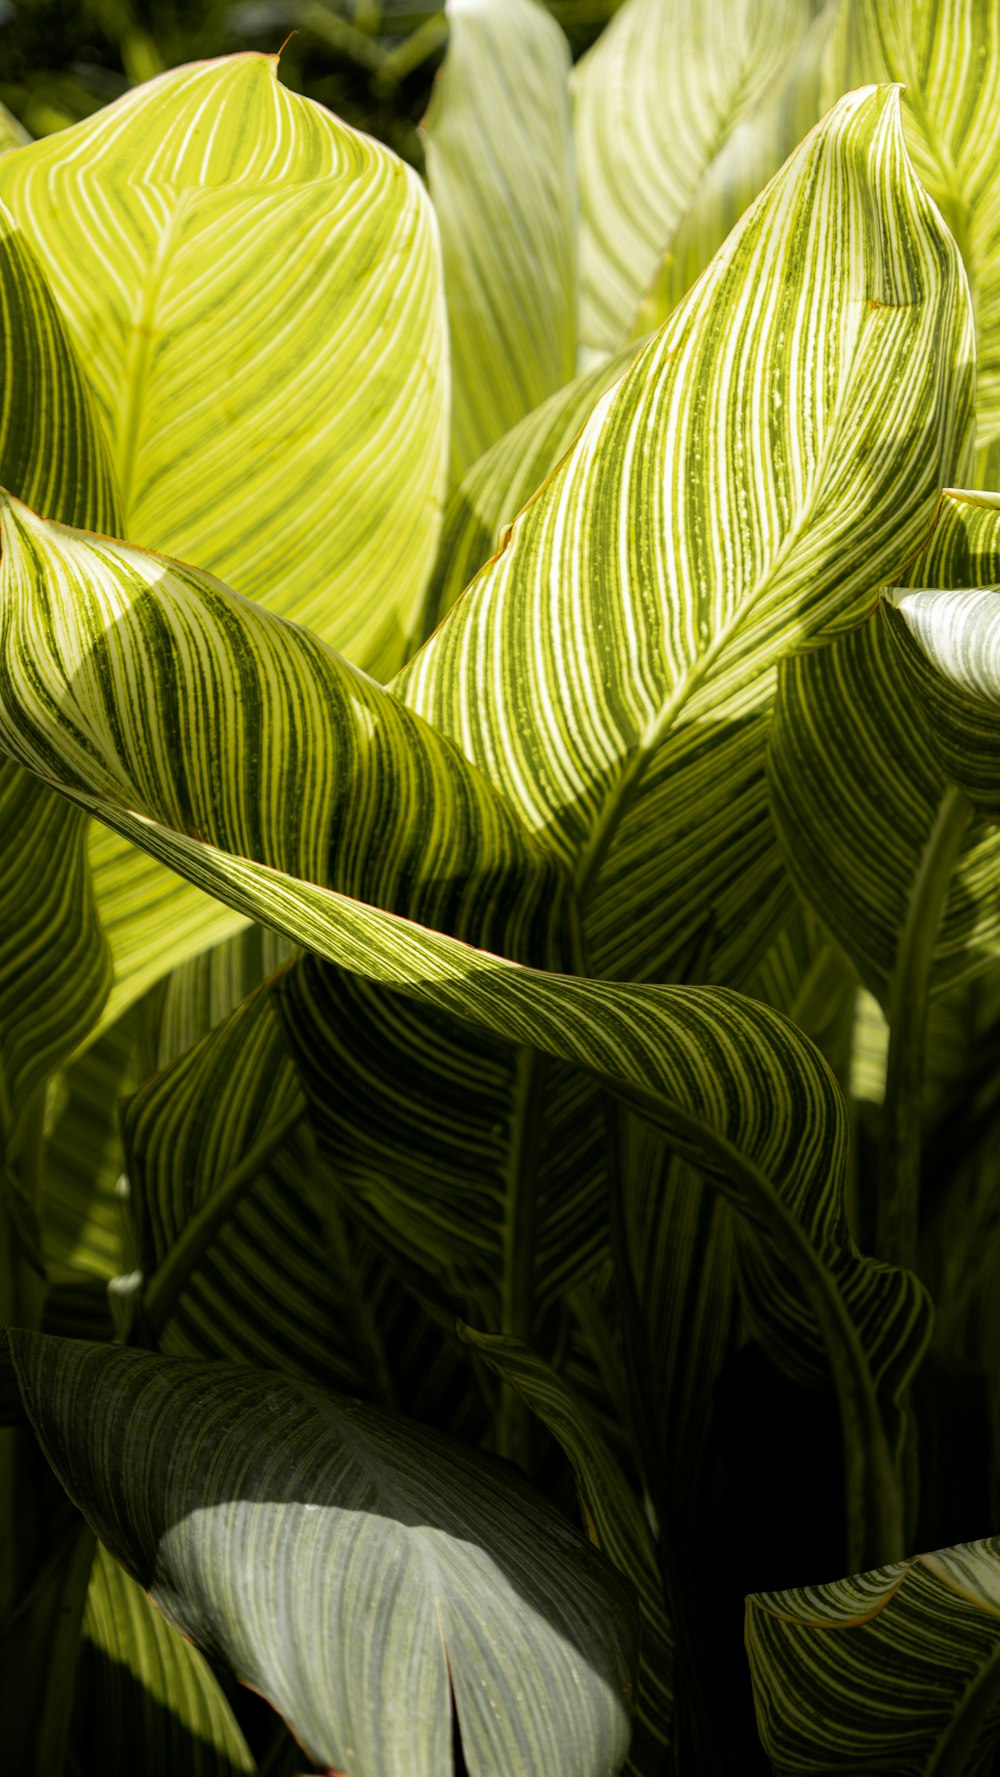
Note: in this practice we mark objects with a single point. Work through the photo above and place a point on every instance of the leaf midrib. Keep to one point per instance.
(137, 369)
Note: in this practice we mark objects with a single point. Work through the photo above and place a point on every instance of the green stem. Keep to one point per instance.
(514, 1435)
(897, 1226)
(874, 1500)
(371, 1348)
(161, 1294)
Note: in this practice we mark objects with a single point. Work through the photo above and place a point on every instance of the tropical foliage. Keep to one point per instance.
(500, 896)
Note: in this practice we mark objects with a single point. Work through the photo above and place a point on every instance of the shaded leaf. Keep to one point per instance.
(440, 1568)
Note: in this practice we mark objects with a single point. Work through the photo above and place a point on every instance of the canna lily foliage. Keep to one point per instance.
(500, 897)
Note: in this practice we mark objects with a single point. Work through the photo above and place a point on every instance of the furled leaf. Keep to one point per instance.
(500, 166)
(226, 257)
(431, 1569)
(892, 1671)
(776, 449)
(857, 785)
(615, 1522)
(947, 55)
(673, 83)
(491, 493)
(146, 1700)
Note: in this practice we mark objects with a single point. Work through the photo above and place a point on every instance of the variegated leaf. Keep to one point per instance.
(442, 1575)
(500, 166)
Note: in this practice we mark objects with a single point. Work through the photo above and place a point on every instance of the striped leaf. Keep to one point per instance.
(857, 785)
(674, 83)
(153, 684)
(945, 639)
(223, 1210)
(893, 1671)
(145, 1698)
(947, 55)
(695, 1059)
(683, 1051)
(436, 1573)
(225, 255)
(490, 494)
(82, 1209)
(750, 153)
(54, 965)
(499, 146)
(615, 1522)
(771, 453)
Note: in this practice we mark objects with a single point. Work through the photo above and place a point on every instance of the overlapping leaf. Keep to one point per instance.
(226, 257)
(439, 1573)
(947, 55)
(491, 493)
(895, 1671)
(673, 83)
(615, 1522)
(500, 166)
(770, 454)
(54, 965)
(146, 1700)
(857, 785)
(750, 153)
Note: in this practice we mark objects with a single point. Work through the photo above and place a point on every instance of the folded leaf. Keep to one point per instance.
(856, 782)
(500, 167)
(946, 53)
(895, 1671)
(673, 82)
(434, 1570)
(776, 449)
(243, 729)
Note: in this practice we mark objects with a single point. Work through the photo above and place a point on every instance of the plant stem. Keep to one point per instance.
(514, 1434)
(897, 1226)
(160, 1296)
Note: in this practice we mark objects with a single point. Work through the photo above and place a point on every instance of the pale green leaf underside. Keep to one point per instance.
(146, 1699)
(611, 670)
(433, 1568)
(654, 103)
(856, 782)
(500, 167)
(615, 1522)
(947, 55)
(226, 256)
(895, 1671)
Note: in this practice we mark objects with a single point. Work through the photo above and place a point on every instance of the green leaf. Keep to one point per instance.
(491, 494)
(435, 1568)
(856, 783)
(12, 133)
(82, 1210)
(146, 1700)
(54, 964)
(895, 1671)
(226, 1226)
(947, 55)
(615, 1522)
(139, 650)
(752, 151)
(500, 166)
(776, 449)
(674, 83)
(225, 255)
